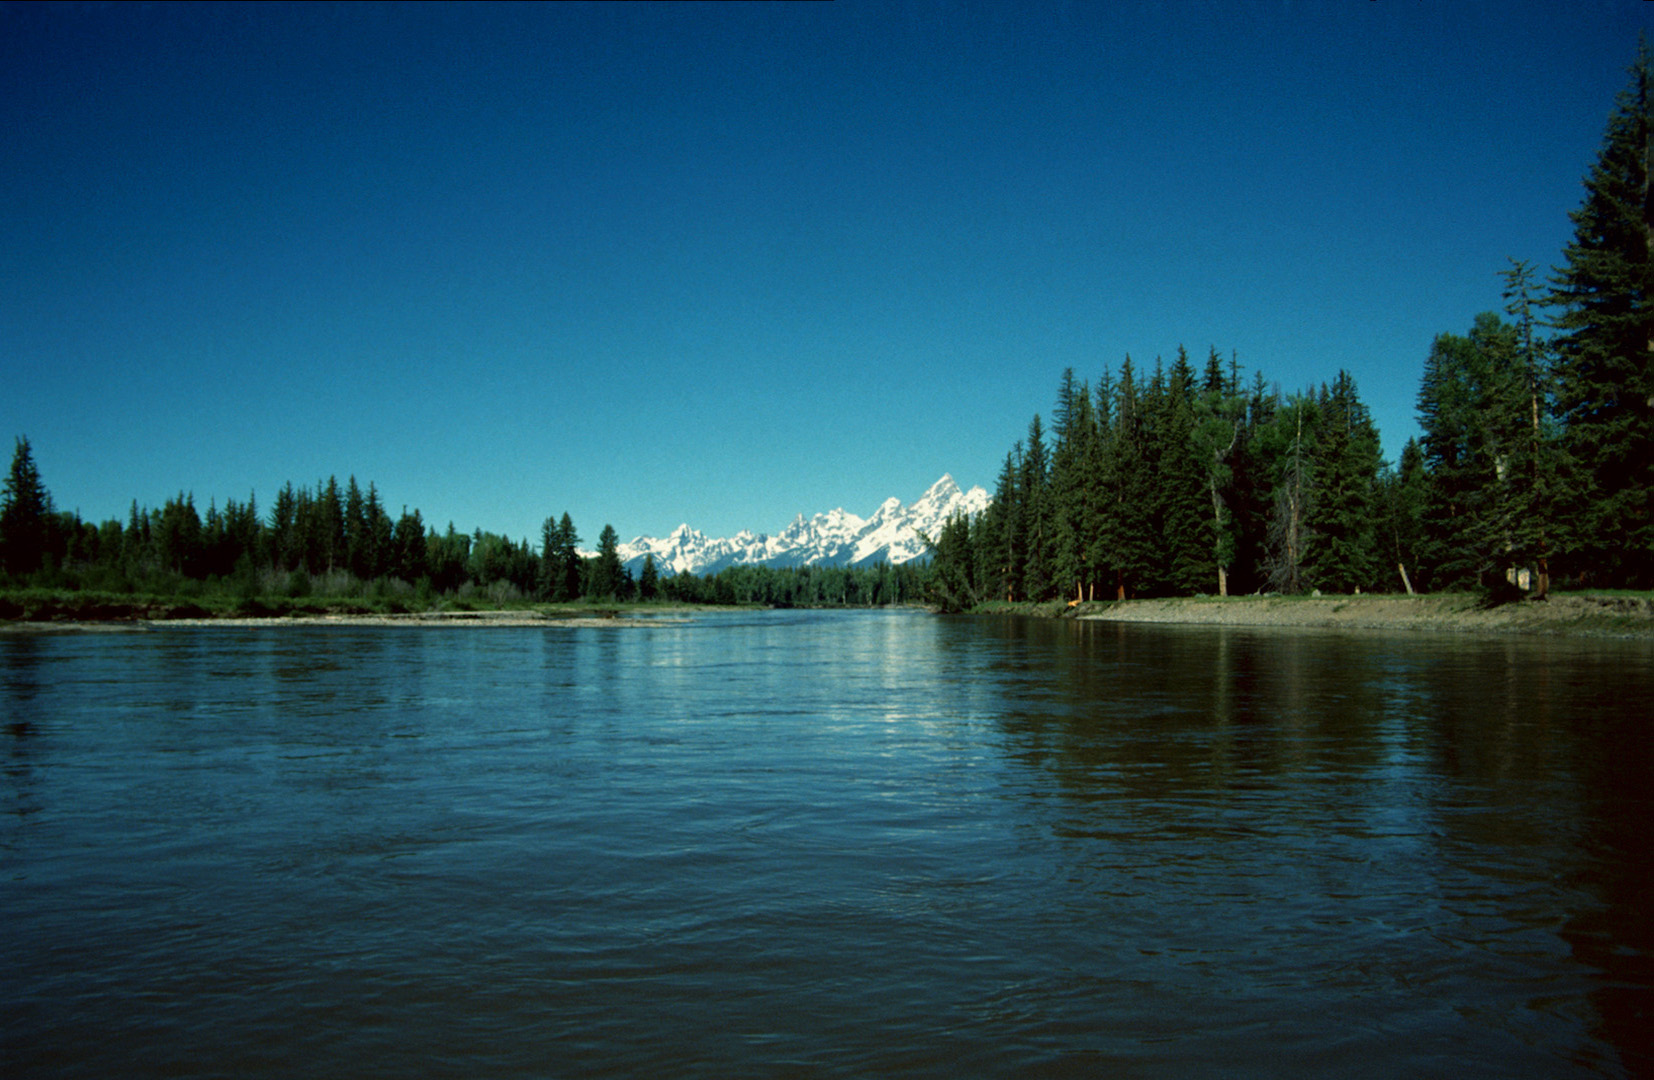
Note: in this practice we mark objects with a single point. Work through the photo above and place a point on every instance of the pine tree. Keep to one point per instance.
(1070, 488)
(561, 567)
(1182, 506)
(358, 535)
(1131, 492)
(1036, 572)
(25, 509)
(1536, 456)
(1009, 532)
(1218, 417)
(412, 551)
(607, 576)
(1342, 517)
(1101, 530)
(380, 552)
(1286, 448)
(1605, 290)
(1403, 491)
(648, 582)
(1491, 452)
(570, 566)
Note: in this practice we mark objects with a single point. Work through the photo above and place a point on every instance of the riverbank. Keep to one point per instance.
(101, 615)
(1571, 614)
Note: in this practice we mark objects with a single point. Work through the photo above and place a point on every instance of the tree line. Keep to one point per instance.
(341, 541)
(1175, 484)
(1535, 464)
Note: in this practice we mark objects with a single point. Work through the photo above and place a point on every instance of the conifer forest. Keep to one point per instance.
(1535, 466)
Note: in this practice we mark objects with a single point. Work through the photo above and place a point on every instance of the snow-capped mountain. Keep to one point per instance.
(835, 538)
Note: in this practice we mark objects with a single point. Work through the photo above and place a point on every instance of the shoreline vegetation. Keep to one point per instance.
(1587, 615)
(25, 610)
(1594, 614)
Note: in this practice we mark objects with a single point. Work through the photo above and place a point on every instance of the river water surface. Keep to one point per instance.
(824, 844)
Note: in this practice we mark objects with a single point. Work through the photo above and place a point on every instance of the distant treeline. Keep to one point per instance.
(1536, 460)
(329, 541)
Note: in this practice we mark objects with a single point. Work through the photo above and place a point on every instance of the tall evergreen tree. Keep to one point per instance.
(1490, 449)
(1218, 423)
(1131, 494)
(1187, 540)
(1540, 466)
(1342, 518)
(358, 534)
(25, 507)
(1286, 445)
(1448, 416)
(1009, 533)
(380, 553)
(568, 548)
(1036, 575)
(1403, 491)
(412, 562)
(607, 574)
(1070, 489)
(648, 584)
(1605, 290)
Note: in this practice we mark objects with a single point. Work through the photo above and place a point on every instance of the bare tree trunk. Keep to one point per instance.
(1404, 579)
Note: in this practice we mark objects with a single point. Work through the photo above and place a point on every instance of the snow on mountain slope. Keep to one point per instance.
(835, 538)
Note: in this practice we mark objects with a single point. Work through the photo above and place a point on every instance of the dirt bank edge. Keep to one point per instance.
(1573, 615)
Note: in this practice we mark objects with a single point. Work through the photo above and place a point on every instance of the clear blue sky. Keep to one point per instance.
(721, 264)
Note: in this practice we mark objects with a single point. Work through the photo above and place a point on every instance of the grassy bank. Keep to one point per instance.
(1600, 614)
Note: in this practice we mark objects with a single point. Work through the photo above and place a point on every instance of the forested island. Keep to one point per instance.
(1534, 469)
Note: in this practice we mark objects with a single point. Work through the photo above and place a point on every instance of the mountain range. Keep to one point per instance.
(834, 538)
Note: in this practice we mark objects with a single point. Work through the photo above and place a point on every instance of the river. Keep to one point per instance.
(824, 844)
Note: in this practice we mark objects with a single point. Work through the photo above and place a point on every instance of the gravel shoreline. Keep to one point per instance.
(1562, 615)
(413, 619)
(1587, 616)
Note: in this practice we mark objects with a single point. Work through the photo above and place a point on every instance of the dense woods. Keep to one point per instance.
(329, 541)
(1535, 463)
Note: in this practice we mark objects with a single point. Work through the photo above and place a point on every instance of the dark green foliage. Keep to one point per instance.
(953, 579)
(607, 578)
(1128, 496)
(648, 583)
(1605, 348)
(1342, 555)
(25, 516)
(1403, 493)
(1491, 452)
(1184, 486)
(1219, 422)
(803, 586)
(1186, 565)
(508, 571)
(1285, 448)
(411, 561)
(447, 559)
(1036, 517)
(560, 563)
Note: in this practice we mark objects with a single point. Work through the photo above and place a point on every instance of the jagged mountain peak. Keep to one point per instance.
(831, 538)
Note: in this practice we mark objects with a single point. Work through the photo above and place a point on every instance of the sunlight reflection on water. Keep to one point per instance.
(841, 843)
